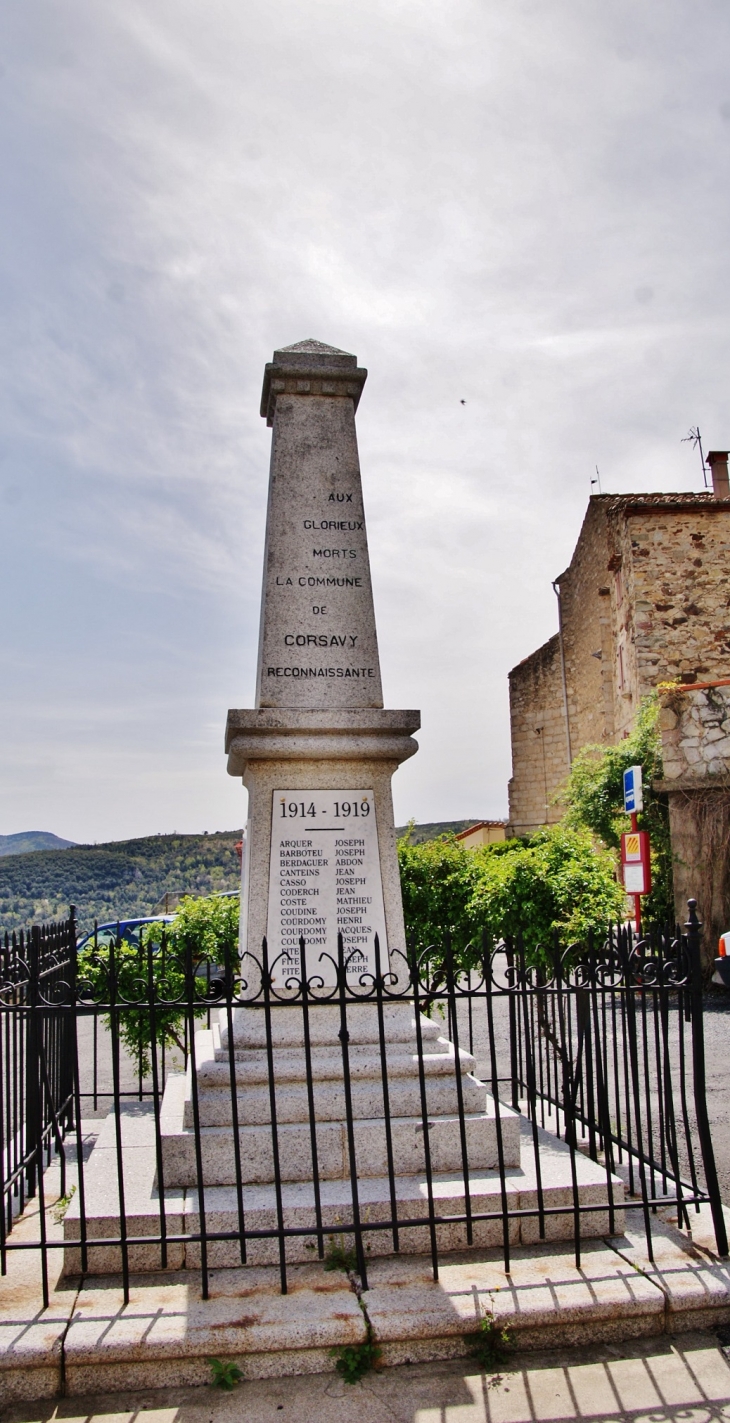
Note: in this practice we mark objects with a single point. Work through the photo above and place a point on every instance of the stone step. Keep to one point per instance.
(295, 1153)
(166, 1335)
(485, 1196)
(287, 1025)
(292, 1101)
(251, 1065)
(259, 1201)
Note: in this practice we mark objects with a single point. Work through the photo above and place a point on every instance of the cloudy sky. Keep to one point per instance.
(520, 204)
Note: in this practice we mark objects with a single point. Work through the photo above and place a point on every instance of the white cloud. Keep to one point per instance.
(522, 206)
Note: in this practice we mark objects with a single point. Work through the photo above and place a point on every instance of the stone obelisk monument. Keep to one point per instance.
(318, 751)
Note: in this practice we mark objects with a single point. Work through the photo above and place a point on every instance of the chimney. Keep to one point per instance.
(717, 460)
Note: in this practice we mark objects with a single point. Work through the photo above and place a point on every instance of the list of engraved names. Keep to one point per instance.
(324, 879)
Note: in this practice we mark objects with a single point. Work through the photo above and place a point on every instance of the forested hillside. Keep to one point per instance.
(29, 841)
(122, 880)
(127, 879)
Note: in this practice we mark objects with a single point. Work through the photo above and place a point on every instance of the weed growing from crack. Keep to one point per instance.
(355, 1360)
(62, 1205)
(340, 1256)
(225, 1374)
(490, 1343)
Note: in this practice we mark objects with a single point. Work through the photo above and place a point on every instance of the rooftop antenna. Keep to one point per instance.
(694, 438)
(597, 481)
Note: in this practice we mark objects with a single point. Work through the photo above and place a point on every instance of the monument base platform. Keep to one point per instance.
(259, 1203)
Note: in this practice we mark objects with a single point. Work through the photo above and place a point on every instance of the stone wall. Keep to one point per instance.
(588, 641)
(680, 589)
(539, 746)
(646, 599)
(695, 727)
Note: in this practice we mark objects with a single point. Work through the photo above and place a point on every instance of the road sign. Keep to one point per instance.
(636, 862)
(633, 790)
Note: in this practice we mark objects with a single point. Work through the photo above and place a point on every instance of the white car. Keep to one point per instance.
(722, 962)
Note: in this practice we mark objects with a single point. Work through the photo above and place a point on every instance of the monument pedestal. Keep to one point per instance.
(305, 751)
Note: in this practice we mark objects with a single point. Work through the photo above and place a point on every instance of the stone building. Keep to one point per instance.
(645, 601)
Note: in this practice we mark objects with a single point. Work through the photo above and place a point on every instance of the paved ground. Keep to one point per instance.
(685, 1379)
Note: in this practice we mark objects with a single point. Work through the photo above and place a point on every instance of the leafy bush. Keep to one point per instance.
(437, 879)
(155, 970)
(594, 796)
(557, 880)
(208, 928)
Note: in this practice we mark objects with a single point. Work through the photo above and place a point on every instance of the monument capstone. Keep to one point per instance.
(318, 751)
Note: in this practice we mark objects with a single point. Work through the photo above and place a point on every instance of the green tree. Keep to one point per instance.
(154, 971)
(594, 796)
(437, 881)
(556, 882)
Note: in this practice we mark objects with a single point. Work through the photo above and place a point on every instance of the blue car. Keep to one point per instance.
(126, 929)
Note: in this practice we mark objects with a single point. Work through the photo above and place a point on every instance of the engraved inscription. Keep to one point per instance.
(324, 879)
(318, 610)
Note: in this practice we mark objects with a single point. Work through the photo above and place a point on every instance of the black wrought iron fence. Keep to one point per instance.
(37, 1076)
(600, 1052)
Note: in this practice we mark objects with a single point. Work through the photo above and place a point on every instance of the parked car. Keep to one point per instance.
(722, 962)
(128, 930)
(125, 929)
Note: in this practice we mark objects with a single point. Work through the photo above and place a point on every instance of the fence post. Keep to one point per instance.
(32, 1084)
(344, 1037)
(693, 927)
(73, 1048)
(67, 1026)
(512, 1010)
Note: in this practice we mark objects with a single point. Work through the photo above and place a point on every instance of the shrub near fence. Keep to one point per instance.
(602, 1044)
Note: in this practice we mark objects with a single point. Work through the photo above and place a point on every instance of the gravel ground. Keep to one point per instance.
(717, 1059)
